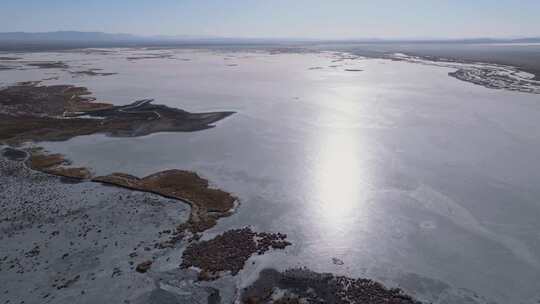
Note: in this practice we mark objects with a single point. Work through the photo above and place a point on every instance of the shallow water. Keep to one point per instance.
(405, 174)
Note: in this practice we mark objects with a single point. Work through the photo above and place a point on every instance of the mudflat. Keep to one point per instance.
(29, 111)
(207, 204)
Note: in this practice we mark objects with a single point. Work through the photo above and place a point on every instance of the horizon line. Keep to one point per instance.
(207, 36)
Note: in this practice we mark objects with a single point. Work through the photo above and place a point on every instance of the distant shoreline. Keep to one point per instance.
(524, 55)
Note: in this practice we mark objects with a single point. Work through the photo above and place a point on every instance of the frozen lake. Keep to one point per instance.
(405, 174)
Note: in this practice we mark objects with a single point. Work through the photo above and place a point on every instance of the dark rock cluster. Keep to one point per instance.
(144, 266)
(305, 286)
(230, 251)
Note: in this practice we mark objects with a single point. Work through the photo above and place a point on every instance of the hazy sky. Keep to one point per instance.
(279, 18)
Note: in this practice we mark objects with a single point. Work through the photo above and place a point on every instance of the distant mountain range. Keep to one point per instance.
(64, 36)
(12, 41)
(68, 39)
(75, 36)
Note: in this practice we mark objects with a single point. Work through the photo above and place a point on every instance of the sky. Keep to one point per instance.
(326, 19)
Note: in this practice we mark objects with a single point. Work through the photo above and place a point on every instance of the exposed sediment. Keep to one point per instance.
(151, 56)
(207, 204)
(29, 112)
(305, 286)
(491, 76)
(3, 58)
(49, 65)
(498, 78)
(55, 164)
(92, 72)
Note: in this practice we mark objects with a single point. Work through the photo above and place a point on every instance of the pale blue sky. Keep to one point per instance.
(280, 18)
